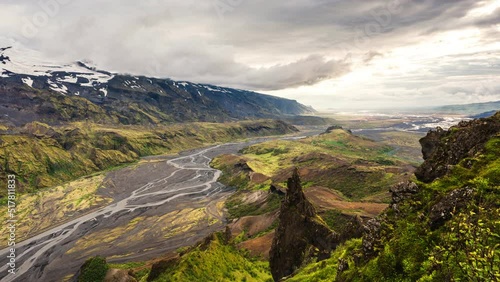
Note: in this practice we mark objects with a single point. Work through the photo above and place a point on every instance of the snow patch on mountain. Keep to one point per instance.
(28, 81)
(104, 91)
(57, 87)
(216, 89)
(69, 79)
(23, 61)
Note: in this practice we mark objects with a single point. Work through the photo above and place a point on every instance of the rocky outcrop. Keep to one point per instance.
(119, 275)
(275, 189)
(335, 127)
(401, 192)
(161, 266)
(442, 149)
(300, 231)
(371, 238)
(40, 130)
(372, 229)
(452, 202)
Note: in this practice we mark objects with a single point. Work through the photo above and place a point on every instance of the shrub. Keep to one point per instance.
(93, 270)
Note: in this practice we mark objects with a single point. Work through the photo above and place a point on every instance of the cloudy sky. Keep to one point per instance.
(324, 53)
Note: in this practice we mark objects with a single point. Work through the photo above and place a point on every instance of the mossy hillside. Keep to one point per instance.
(218, 261)
(237, 209)
(406, 144)
(326, 270)
(465, 248)
(361, 169)
(42, 156)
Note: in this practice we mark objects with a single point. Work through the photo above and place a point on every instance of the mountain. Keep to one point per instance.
(484, 115)
(469, 109)
(35, 89)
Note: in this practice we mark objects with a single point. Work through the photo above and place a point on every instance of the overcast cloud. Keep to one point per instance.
(324, 53)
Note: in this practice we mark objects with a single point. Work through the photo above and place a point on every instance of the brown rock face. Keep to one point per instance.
(299, 230)
(442, 149)
(159, 267)
(119, 275)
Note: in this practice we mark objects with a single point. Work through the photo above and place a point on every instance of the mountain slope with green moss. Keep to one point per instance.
(447, 229)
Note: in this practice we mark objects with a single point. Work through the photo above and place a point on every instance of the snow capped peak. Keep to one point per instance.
(17, 59)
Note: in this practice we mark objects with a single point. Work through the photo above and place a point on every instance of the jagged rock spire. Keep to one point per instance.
(298, 230)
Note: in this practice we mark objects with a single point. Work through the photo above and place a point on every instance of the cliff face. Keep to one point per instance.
(299, 231)
(442, 149)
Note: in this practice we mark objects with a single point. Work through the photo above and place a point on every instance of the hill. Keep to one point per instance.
(469, 109)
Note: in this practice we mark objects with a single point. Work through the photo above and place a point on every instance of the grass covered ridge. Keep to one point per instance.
(44, 156)
(217, 262)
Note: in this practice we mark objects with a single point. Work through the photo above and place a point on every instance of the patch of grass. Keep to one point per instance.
(127, 265)
(326, 270)
(218, 262)
(335, 219)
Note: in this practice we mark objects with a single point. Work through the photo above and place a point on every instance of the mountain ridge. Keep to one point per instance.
(121, 98)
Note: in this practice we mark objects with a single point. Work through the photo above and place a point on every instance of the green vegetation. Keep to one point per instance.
(93, 270)
(464, 248)
(139, 269)
(217, 261)
(43, 156)
(237, 209)
(326, 270)
(357, 168)
(335, 219)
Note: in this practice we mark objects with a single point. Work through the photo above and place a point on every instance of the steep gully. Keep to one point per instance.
(186, 181)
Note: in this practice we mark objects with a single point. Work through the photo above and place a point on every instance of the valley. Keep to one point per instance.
(133, 178)
(157, 217)
(250, 141)
(148, 207)
(154, 207)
